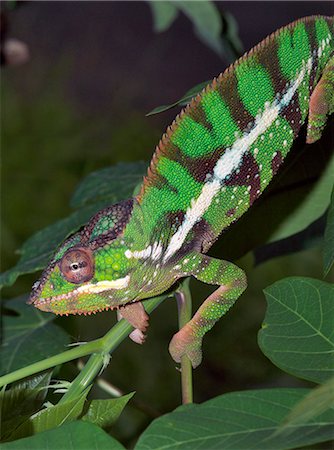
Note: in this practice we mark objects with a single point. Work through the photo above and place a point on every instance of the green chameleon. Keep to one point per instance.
(214, 161)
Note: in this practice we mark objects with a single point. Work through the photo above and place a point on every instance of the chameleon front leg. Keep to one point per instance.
(232, 282)
(321, 103)
(136, 315)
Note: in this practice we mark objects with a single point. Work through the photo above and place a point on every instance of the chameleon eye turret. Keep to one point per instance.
(77, 265)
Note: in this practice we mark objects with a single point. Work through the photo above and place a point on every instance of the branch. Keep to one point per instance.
(99, 349)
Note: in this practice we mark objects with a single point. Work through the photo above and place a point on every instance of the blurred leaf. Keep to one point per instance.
(97, 190)
(231, 31)
(207, 22)
(22, 400)
(164, 14)
(37, 250)
(310, 237)
(240, 420)
(76, 435)
(51, 417)
(329, 238)
(182, 101)
(111, 184)
(319, 400)
(297, 333)
(105, 412)
(311, 208)
(28, 337)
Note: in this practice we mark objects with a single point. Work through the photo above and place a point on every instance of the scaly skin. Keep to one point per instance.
(214, 161)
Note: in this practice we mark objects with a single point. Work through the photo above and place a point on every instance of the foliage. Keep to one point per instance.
(71, 435)
(329, 238)
(221, 36)
(296, 334)
(28, 336)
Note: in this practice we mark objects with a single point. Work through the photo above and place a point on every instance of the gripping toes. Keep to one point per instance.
(231, 281)
(186, 343)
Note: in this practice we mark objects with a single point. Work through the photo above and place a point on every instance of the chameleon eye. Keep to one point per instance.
(77, 265)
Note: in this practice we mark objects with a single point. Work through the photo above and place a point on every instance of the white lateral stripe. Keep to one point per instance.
(229, 162)
(104, 285)
(152, 251)
(156, 250)
(139, 254)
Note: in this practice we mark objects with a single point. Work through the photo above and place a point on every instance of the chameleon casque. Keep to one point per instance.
(214, 161)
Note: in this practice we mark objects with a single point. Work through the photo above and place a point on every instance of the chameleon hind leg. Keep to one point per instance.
(321, 103)
(232, 282)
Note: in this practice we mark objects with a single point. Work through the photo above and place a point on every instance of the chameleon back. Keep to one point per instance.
(224, 148)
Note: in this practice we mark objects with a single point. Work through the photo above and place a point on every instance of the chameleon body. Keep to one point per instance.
(214, 161)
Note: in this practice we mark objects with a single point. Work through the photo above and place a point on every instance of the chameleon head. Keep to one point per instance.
(73, 285)
(89, 272)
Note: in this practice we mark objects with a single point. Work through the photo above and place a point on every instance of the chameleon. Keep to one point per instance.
(213, 162)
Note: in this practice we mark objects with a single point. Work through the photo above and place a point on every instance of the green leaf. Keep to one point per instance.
(240, 420)
(164, 14)
(110, 184)
(329, 238)
(105, 412)
(51, 417)
(310, 208)
(25, 396)
(96, 191)
(28, 337)
(37, 250)
(76, 435)
(184, 100)
(297, 333)
(319, 400)
(22, 400)
(207, 22)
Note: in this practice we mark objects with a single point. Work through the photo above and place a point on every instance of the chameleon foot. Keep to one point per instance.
(136, 315)
(184, 342)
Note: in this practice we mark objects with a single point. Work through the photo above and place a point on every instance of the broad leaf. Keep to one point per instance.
(51, 417)
(241, 420)
(207, 23)
(105, 412)
(37, 250)
(111, 184)
(164, 14)
(75, 435)
(329, 238)
(310, 208)
(28, 337)
(319, 400)
(297, 333)
(22, 400)
(97, 190)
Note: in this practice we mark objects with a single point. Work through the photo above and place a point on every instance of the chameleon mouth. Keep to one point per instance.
(91, 288)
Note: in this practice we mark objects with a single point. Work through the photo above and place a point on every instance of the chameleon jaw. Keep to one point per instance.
(96, 288)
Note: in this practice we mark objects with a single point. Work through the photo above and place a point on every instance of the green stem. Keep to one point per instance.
(183, 297)
(98, 348)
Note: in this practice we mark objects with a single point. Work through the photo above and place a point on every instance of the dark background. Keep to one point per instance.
(79, 104)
